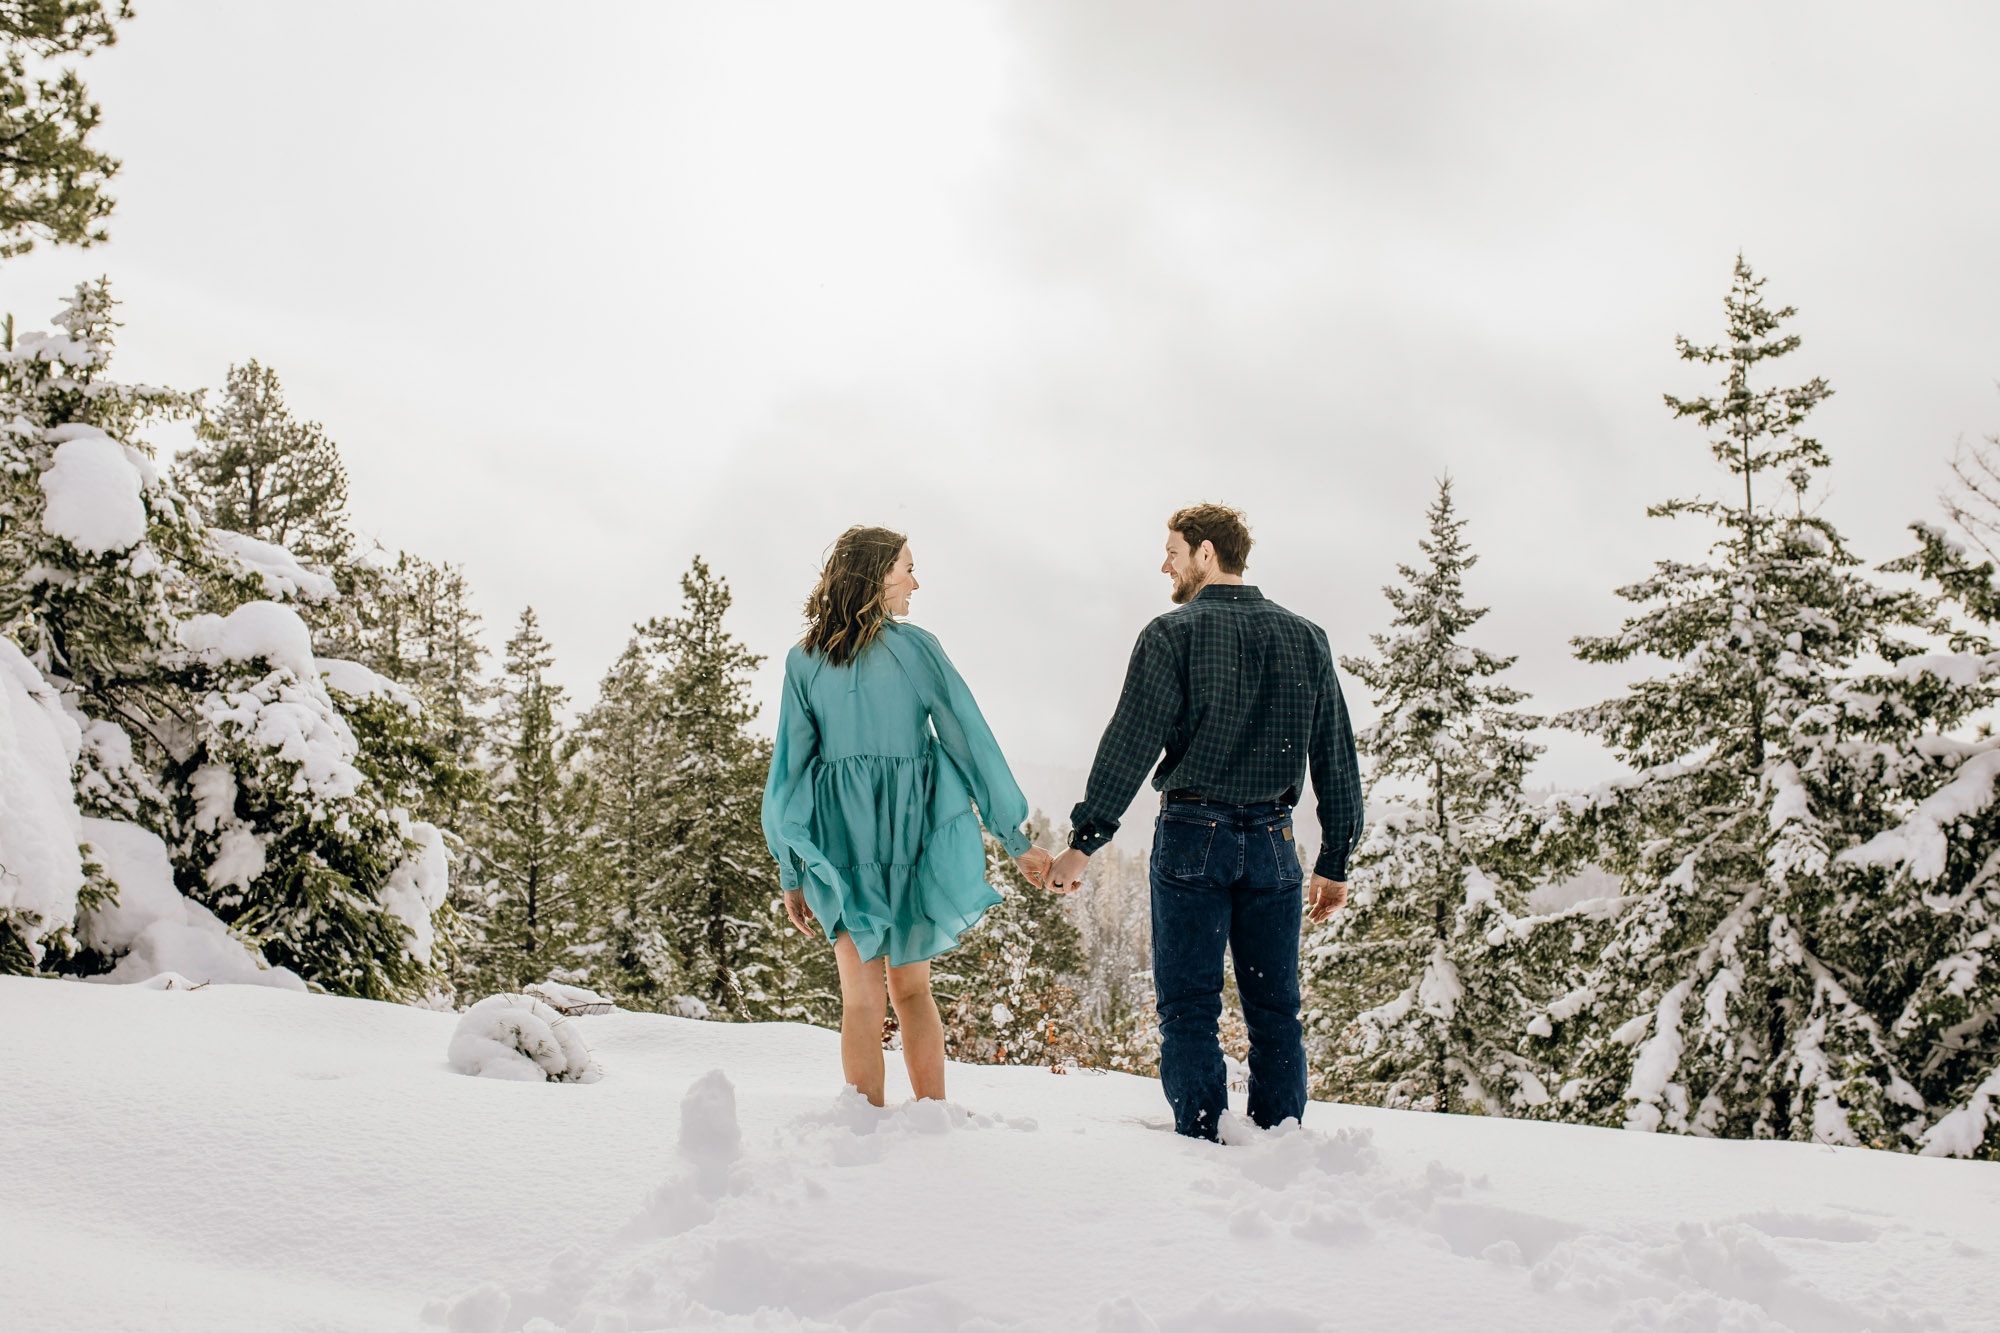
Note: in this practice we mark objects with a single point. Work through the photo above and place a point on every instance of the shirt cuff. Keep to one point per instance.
(788, 874)
(1088, 839)
(1016, 842)
(1331, 865)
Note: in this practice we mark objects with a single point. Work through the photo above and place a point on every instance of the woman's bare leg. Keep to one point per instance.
(861, 1013)
(923, 1030)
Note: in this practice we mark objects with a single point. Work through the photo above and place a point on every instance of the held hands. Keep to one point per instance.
(1034, 866)
(1323, 898)
(1066, 875)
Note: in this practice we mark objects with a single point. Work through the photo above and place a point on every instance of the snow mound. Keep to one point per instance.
(519, 1038)
(94, 495)
(153, 930)
(277, 569)
(40, 867)
(253, 631)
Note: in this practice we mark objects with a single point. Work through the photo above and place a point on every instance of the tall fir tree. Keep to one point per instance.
(54, 183)
(719, 885)
(630, 756)
(1402, 1010)
(1745, 989)
(521, 929)
(96, 608)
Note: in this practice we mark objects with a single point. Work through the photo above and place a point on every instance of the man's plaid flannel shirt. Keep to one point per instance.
(1242, 696)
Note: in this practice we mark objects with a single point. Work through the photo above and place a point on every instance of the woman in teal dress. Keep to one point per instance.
(880, 761)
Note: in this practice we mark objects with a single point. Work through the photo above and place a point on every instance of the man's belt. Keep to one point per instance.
(1289, 797)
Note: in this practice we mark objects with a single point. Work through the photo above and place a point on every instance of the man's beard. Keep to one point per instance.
(1186, 587)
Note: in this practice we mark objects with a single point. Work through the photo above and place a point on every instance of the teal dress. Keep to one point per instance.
(870, 806)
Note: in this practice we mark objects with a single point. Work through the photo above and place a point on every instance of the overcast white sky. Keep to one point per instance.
(584, 290)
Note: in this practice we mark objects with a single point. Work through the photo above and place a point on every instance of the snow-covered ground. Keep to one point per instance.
(245, 1158)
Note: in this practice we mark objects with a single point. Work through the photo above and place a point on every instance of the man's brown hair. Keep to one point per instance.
(1218, 524)
(847, 608)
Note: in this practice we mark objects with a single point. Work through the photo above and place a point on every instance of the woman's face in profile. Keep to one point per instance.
(902, 581)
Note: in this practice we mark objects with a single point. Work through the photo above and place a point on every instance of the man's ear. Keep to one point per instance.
(1207, 549)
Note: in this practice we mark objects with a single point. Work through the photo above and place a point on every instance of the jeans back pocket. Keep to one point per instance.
(1285, 852)
(1180, 849)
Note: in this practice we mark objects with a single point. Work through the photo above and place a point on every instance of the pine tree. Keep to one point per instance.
(630, 756)
(1927, 933)
(54, 183)
(1402, 1014)
(1008, 991)
(719, 884)
(285, 831)
(101, 615)
(97, 611)
(258, 470)
(1741, 991)
(524, 924)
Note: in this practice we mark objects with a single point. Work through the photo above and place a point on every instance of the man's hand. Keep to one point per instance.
(1066, 875)
(796, 909)
(1034, 864)
(1325, 897)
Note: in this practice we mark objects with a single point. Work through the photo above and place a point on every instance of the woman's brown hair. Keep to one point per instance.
(846, 610)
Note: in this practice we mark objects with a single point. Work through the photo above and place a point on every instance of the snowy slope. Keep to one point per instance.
(241, 1158)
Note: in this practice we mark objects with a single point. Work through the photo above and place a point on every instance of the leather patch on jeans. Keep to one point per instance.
(1288, 834)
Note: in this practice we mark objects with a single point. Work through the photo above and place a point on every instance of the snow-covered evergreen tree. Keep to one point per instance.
(630, 757)
(95, 550)
(522, 926)
(1759, 981)
(1008, 991)
(1401, 1012)
(283, 833)
(719, 887)
(1927, 885)
(217, 737)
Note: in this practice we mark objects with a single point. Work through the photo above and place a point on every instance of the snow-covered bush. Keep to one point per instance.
(518, 1037)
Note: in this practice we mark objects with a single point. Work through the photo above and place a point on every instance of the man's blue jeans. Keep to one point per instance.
(1227, 875)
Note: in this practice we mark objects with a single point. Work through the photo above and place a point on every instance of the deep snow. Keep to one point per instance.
(243, 1158)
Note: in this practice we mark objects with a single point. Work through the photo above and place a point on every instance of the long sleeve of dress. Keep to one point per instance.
(962, 732)
(792, 754)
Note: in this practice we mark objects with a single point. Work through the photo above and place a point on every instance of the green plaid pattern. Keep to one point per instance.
(1241, 695)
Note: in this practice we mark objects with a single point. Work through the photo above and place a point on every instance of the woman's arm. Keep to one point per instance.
(963, 732)
(792, 754)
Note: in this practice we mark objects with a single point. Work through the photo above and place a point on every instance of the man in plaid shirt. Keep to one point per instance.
(1241, 696)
